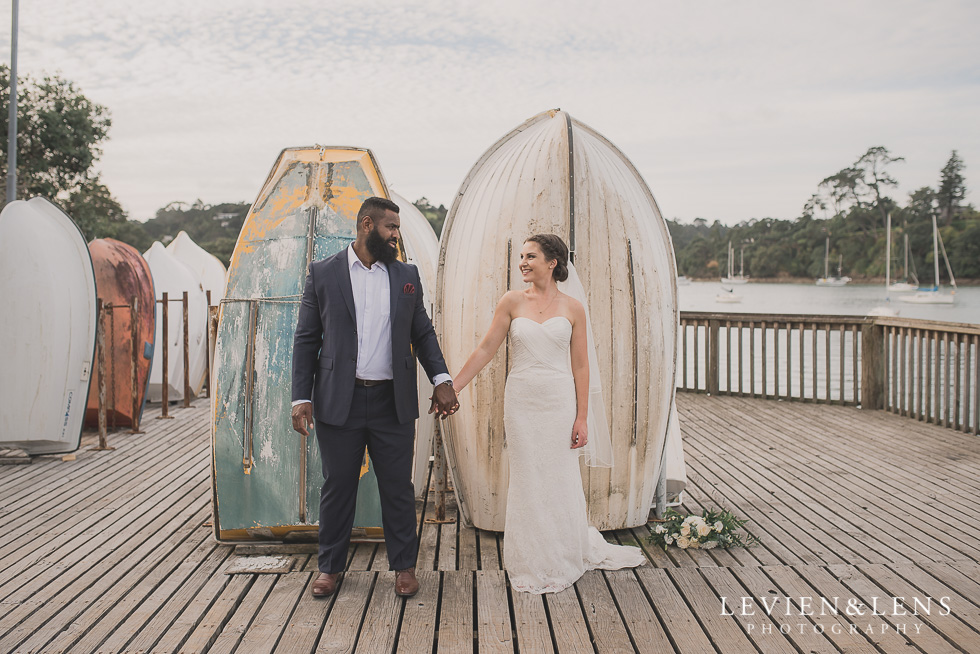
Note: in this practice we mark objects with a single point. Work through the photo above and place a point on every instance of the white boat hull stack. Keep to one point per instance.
(554, 174)
(173, 277)
(210, 272)
(422, 250)
(48, 327)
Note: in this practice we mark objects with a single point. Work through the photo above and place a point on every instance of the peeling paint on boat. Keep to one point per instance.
(266, 477)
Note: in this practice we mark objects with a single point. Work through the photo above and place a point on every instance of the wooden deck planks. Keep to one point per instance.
(131, 567)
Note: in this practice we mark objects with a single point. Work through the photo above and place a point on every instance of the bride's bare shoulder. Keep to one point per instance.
(511, 299)
(574, 308)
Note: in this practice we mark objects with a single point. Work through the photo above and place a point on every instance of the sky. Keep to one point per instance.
(730, 111)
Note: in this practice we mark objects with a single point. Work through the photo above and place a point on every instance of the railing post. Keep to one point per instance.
(100, 344)
(713, 327)
(207, 348)
(872, 366)
(187, 356)
(439, 472)
(165, 358)
(134, 338)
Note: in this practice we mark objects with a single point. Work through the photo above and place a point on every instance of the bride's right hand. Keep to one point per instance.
(580, 434)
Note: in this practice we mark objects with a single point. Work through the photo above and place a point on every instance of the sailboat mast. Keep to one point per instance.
(826, 260)
(906, 268)
(741, 263)
(888, 253)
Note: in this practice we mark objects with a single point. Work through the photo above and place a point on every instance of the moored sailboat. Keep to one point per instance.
(935, 295)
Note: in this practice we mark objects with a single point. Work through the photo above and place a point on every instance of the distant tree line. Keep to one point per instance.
(850, 207)
(60, 133)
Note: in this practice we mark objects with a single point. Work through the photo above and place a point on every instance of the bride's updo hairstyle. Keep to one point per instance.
(553, 248)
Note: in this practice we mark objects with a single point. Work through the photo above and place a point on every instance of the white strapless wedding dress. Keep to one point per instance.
(548, 543)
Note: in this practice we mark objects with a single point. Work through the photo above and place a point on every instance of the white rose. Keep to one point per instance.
(683, 542)
(668, 539)
(689, 519)
(703, 529)
(719, 526)
(660, 529)
(694, 544)
(685, 530)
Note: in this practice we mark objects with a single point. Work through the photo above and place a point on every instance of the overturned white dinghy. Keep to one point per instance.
(47, 326)
(206, 267)
(174, 278)
(421, 249)
(554, 174)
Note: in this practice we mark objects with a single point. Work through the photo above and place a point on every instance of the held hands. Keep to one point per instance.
(303, 417)
(444, 402)
(580, 434)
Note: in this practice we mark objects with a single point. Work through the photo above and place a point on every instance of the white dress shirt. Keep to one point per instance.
(372, 311)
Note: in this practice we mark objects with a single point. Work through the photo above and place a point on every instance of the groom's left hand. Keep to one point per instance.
(444, 402)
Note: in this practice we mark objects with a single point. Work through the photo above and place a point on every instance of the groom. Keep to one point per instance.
(361, 324)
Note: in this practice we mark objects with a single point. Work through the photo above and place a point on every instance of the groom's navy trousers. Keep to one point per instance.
(372, 422)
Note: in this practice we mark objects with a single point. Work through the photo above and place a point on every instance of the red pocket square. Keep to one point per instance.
(408, 289)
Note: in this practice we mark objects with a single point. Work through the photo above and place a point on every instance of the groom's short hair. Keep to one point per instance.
(375, 207)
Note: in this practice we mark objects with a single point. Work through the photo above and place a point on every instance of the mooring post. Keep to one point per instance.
(111, 308)
(187, 356)
(207, 348)
(100, 343)
(439, 472)
(134, 337)
(165, 358)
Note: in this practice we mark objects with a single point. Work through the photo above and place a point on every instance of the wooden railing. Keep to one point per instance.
(921, 369)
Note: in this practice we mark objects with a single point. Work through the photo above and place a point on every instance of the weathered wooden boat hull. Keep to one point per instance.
(421, 249)
(121, 274)
(266, 477)
(174, 278)
(47, 326)
(554, 174)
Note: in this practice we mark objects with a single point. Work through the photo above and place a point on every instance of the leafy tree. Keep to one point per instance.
(952, 189)
(875, 177)
(964, 252)
(435, 215)
(59, 131)
(94, 210)
(843, 189)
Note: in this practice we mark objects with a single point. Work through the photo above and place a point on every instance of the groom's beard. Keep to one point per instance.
(379, 248)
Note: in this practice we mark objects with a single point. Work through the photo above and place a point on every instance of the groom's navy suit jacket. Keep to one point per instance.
(325, 345)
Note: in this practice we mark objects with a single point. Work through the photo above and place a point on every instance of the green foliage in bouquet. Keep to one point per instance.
(707, 531)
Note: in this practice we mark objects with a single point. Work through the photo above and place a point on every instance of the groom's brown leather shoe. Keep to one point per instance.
(406, 584)
(325, 584)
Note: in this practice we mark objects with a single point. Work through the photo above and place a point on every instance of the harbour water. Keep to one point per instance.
(851, 300)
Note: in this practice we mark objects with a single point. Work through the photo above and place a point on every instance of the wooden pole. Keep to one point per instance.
(713, 326)
(439, 472)
(112, 363)
(207, 348)
(134, 337)
(187, 356)
(165, 358)
(872, 367)
(100, 341)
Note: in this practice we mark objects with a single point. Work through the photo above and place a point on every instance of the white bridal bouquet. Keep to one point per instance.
(706, 531)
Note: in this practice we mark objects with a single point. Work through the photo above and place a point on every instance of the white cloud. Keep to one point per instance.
(730, 110)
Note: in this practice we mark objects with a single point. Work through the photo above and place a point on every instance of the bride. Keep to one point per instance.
(548, 543)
